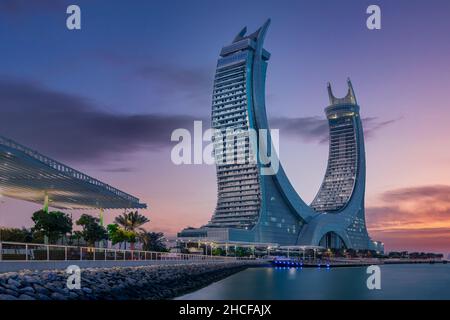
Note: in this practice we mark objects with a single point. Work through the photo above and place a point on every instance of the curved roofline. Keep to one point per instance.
(350, 97)
(258, 35)
(283, 183)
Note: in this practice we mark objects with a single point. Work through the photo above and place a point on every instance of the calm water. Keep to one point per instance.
(417, 281)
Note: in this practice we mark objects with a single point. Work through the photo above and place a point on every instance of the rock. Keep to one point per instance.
(26, 290)
(40, 296)
(142, 282)
(58, 296)
(32, 279)
(11, 292)
(13, 283)
(50, 276)
(73, 295)
(26, 297)
(40, 289)
(10, 287)
(64, 291)
(87, 290)
(7, 297)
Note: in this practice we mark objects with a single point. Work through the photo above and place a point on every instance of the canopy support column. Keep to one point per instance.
(100, 216)
(45, 208)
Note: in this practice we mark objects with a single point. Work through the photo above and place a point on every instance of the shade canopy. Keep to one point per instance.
(26, 174)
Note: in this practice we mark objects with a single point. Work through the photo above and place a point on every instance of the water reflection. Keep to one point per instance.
(284, 283)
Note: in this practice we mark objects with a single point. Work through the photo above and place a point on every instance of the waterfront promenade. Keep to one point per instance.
(16, 256)
(38, 272)
(118, 283)
(29, 256)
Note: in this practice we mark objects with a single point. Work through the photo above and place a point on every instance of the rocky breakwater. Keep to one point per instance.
(117, 283)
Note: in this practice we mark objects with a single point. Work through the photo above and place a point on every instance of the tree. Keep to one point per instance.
(242, 252)
(153, 241)
(54, 224)
(119, 235)
(218, 252)
(92, 231)
(133, 222)
(77, 236)
(16, 235)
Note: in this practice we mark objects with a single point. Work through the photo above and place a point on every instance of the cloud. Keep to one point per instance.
(315, 129)
(413, 217)
(168, 77)
(309, 129)
(169, 81)
(373, 124)
(69, 127)
(434, 194)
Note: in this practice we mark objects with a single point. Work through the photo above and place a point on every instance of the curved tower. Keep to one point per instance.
(346, 153)
(265, 208)
(340, 200)
(250, 206)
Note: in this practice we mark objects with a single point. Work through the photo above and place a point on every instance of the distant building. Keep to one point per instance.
(253, 207)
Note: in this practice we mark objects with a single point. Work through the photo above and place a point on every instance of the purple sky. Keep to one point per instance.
(105, 99)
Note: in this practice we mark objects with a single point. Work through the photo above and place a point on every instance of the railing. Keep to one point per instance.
(16, 251)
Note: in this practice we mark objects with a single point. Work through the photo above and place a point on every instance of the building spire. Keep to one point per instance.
(350, 97)
(351, 93)
(255, 35)
(240, 35)
(330, 93)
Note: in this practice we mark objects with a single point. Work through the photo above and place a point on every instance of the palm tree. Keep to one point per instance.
(132, 221)
(153, 241)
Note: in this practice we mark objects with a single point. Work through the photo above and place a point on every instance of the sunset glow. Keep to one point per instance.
(106, 100)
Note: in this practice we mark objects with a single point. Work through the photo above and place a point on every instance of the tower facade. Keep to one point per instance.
(344, 153)
(265, 208)
(238, 181)
(340, 221)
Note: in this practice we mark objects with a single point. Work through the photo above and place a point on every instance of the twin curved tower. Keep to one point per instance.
(254, 207)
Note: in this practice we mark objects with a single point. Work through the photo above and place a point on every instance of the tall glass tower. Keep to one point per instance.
(340, 177)
(260, 208)
(238, 183)
(340, 200)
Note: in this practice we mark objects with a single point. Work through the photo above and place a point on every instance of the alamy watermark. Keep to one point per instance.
(373, 21)
(73, 21)
(74, 279)
(227, 146)
(374, 280)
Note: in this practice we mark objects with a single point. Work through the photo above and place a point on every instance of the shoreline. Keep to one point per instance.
(156, 282)
(348, 263)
